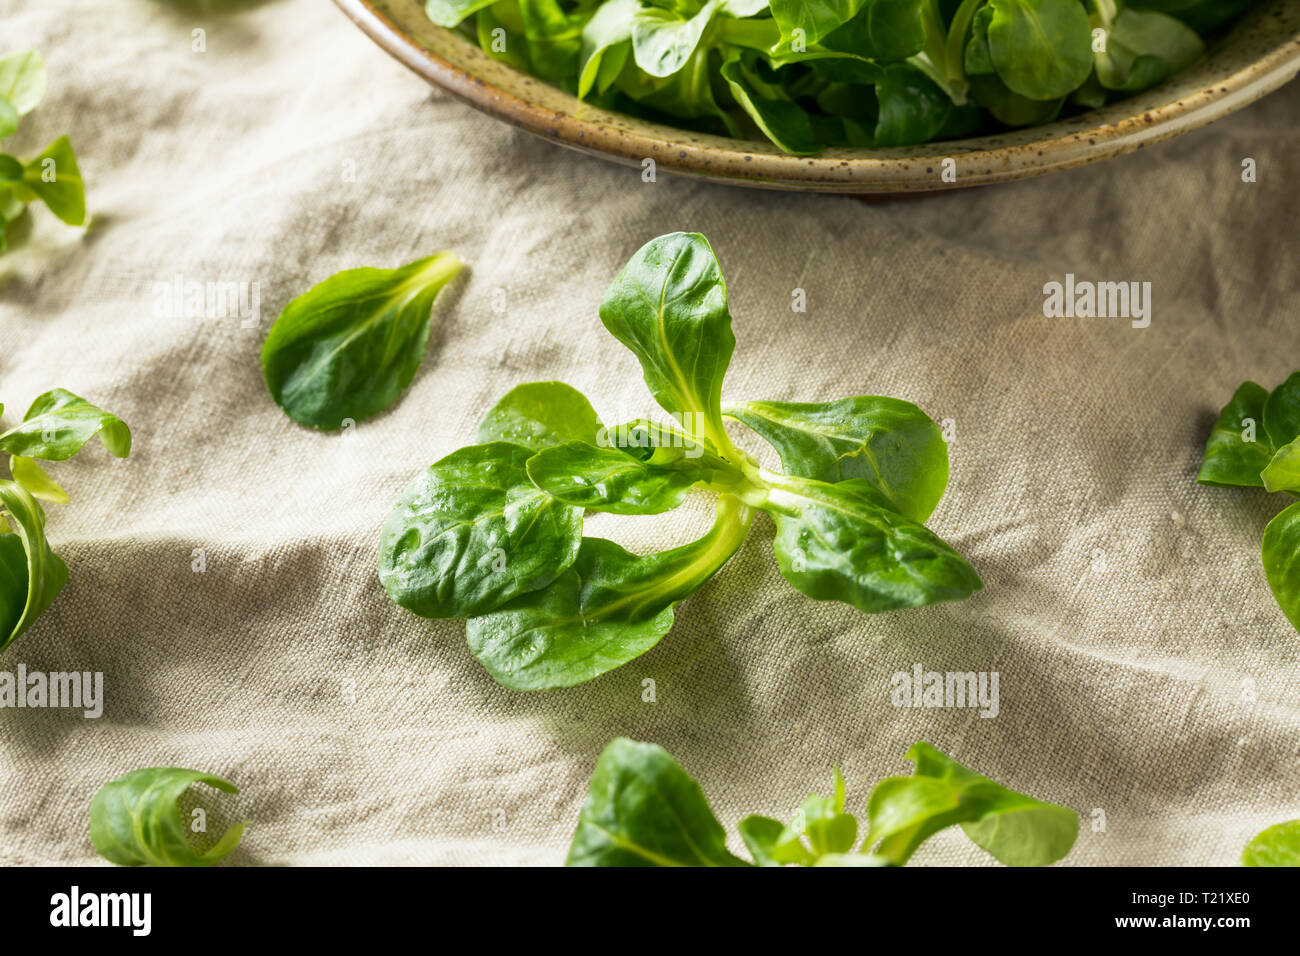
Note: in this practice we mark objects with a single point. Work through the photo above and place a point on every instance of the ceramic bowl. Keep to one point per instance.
(1260, 54)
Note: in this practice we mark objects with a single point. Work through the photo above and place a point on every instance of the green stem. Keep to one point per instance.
(728, 533)
(956, 47)
(943, 59)
(935, 53)
(741, 482)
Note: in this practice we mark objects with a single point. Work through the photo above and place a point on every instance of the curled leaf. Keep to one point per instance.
(31, 575)
(135, 820)
(59, 424)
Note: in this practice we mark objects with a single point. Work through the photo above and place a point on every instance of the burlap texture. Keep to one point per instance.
(1146, 672)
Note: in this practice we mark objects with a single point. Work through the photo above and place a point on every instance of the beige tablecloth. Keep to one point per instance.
(1147, 677)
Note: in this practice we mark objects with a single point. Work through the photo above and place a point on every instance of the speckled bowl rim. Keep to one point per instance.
(1258, 56)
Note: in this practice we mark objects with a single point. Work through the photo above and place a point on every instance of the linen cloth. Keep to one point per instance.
(1147, 677)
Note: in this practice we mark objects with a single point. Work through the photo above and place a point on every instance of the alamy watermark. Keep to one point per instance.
(921, 688)
(651, 434)
(130, 910)
(183, 298)
(1084, 299)
(82, 690)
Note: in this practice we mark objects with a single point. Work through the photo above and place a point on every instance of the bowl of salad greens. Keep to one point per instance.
(866, 96)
